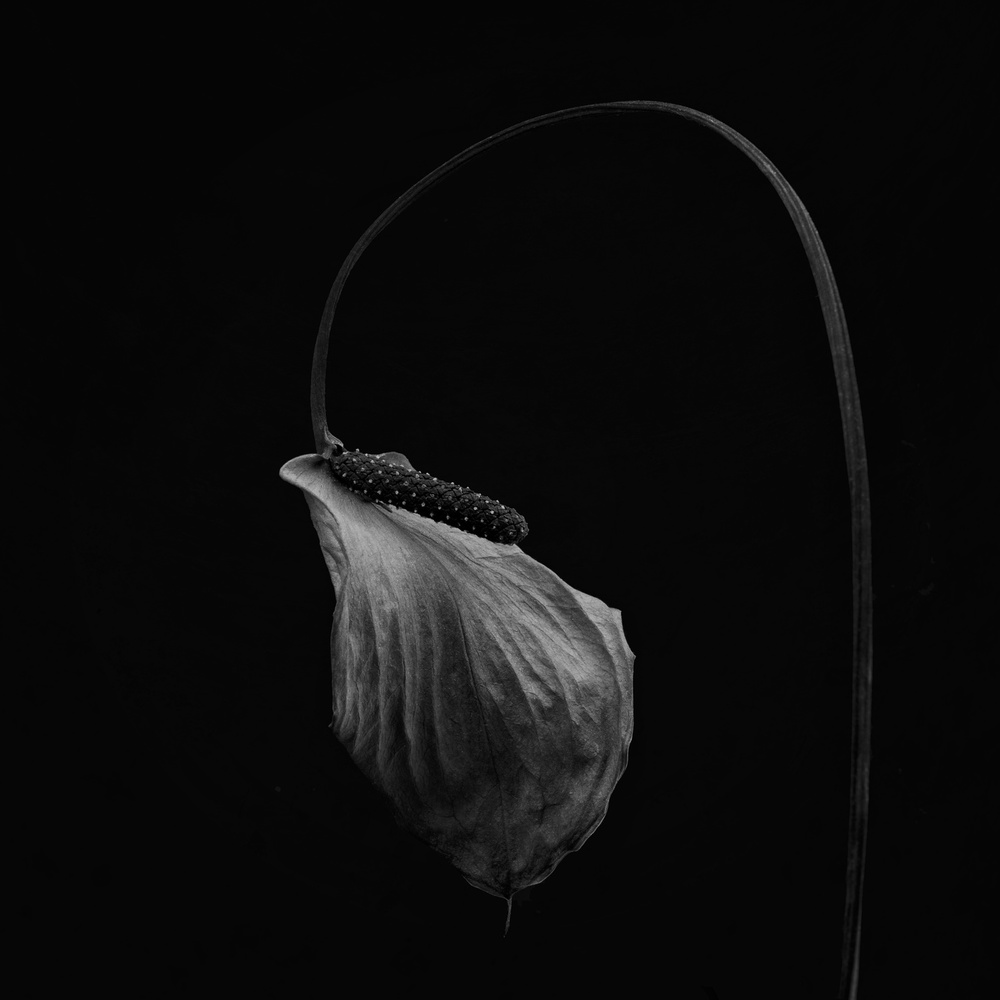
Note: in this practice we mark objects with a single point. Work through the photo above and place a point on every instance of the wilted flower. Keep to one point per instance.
(489, 700)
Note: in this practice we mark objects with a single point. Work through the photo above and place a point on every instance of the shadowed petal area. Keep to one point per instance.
(486, 697)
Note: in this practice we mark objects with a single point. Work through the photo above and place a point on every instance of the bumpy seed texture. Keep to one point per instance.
(385, 482)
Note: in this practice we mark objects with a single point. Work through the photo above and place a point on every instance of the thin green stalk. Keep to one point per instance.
(854, 448)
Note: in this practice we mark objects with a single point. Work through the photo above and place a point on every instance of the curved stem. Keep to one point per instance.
(854, 447)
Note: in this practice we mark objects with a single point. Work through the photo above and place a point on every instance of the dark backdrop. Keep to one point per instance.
(608, 324)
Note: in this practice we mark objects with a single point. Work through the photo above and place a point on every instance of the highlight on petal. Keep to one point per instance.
(489, 700)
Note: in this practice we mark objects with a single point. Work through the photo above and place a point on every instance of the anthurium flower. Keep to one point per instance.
(486, 697)
(490, 700)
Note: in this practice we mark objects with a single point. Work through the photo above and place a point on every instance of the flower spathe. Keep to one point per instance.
(489, 700)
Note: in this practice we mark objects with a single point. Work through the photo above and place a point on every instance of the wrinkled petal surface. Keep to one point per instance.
(488, 699)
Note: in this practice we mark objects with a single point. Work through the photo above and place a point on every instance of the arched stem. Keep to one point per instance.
(854, 447)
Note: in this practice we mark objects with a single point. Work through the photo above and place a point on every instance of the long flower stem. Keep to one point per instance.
(854, 448)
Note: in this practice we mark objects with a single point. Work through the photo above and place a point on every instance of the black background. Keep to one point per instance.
(609, 325)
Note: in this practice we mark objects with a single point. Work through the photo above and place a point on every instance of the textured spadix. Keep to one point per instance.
(488, 699)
